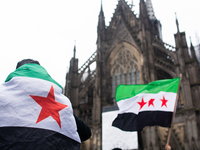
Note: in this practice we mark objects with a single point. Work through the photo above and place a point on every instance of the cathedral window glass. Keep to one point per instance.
(123, 79)
(118, 78)
(113, 85)
(132, 76)
(128, 78)
(137, 77)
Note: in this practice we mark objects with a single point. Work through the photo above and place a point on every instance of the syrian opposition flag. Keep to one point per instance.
(146, 105)
(34, 114)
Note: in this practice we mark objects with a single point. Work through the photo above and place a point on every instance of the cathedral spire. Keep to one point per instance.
(101, 6)
(193, 55)
(101, 24)
(101, 11)
(143, 9)
(177, 24)
(75, 49)
(150, 10)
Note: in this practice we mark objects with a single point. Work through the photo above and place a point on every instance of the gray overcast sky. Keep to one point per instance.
(45, 30)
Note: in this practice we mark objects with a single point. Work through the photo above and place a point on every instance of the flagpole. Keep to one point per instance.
(170, 129)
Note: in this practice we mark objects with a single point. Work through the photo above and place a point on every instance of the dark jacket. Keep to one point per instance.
(82, 129)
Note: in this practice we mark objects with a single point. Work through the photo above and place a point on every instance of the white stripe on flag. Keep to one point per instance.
(18, 109)
(131, 105)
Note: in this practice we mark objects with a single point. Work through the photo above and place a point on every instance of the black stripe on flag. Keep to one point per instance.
(24, 138)
(133, 122)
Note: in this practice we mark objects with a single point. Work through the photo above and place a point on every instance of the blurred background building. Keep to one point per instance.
(131, 51)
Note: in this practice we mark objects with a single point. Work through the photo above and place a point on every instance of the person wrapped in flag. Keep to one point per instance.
(146, 105)
(34, 114)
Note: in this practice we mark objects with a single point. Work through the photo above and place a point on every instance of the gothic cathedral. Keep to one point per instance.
(131, 51)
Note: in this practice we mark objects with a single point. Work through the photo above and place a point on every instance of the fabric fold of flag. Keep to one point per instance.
(146, 104)
(32, 102)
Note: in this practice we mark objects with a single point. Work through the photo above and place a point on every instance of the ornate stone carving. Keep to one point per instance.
(125, 61)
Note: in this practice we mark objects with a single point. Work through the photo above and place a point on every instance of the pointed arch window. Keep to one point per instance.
(124, 70)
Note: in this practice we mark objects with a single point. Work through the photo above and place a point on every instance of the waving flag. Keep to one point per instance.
(34, 114)
(146, 105)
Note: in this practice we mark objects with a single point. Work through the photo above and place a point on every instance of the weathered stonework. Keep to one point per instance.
(131, 51)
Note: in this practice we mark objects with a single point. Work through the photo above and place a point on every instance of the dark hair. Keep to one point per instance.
(26, 61)
(117, 149)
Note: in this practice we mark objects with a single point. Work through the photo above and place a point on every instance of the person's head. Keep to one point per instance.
(117, 149)
(26, 61)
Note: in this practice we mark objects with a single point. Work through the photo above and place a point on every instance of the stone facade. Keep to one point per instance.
(131, 51)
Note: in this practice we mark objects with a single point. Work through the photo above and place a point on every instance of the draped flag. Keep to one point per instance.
(146, 105)
(34, 114)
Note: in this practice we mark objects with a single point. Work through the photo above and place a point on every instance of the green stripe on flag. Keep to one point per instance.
(128, 91)
(32, 71)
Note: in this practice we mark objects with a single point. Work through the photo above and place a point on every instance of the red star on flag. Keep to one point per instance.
(49, 107)
(142, 103)
(151, 102)
(164, 101)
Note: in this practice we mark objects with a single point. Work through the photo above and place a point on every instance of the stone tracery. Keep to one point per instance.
(124, 70)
